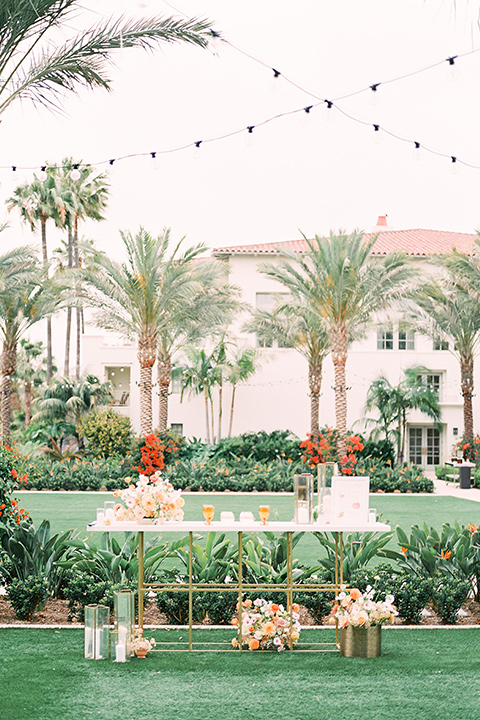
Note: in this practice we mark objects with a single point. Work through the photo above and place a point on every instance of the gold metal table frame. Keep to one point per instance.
(239, 587)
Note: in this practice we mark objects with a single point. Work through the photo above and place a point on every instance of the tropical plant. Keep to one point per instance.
(394, 402)
(358, 550)
(449, 312)
(30, 372)
(338, 278)
(107, 433)
(198, 378)
(297, 324)
(35, 66)
(27, 595)
(20, 307)
(241, 366)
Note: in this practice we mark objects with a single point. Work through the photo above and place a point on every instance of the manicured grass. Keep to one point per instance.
(422, 674)
(75, 510)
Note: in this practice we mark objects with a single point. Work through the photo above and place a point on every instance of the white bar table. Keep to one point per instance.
(199, 526)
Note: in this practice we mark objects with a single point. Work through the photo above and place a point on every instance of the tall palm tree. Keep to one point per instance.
(85, 196)
(340, 280)
(38, 202)
(21, 305)
(198, 378)
(30, 372)
(295, 324)
(446, 311)
(241, 366)
(394, 402)
(33, 66)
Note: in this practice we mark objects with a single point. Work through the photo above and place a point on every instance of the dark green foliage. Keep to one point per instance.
(449, 594)
(27, 595)
(260, 447)
(381, 451)
(81, 590)
(382, 578)
(175, 606)
(384, 477)
(77, 474)
(358, 550)
(318, 604)
(220, 606)
(107, 433)
(412, 592)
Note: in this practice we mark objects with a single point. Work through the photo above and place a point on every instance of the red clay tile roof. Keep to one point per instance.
(413, 242)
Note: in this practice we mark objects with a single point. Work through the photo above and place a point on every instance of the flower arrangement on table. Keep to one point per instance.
(360, 610)
(141, 645)
(268, 626)
(149, 497)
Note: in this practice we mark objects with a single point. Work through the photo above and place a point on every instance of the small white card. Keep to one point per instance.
(350, 499)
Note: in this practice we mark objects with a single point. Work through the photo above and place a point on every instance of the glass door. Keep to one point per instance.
(424, 446)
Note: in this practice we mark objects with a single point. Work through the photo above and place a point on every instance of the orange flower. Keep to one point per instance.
(295, 607)
(247, 603)
(275, 607)
(446, 554)
(253, 644)
(234, 642)
(355, 594)
(403, 549)
(472, 527)
(235, 621)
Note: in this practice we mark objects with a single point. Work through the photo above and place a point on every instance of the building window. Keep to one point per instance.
(385, 339)
(434, 381)
(177, 428)
(119, 378)
(406, 340)
(440, 344)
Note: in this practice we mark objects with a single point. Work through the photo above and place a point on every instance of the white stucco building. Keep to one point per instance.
(277, 396)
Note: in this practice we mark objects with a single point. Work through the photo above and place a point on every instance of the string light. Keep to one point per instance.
(417, 153)
(306, 115)
(374, 97)
(215, 42)
(43, 173)
(377, 136)
(249, 138)
(75, 173)
(155, 161)
(452, 70)
(454, 165)
(275, 82)
(196, 149)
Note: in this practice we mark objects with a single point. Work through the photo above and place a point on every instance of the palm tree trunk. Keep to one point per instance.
(76, 264)
(220, 407)
(207, 420)
(315, 384)
(164, 379)
(43, 226)
(339, 344)
(232, 405)
(68, 330)
(28, 389)
(147, 352)
(466, 383)
(8, 365)
(212, 420)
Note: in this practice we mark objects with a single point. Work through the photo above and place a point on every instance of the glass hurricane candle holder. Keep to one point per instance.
(97, 618)
(303, 495)
(124, 611)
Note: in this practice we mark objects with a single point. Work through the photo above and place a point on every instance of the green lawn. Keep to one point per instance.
(421, 674)
(75, 510)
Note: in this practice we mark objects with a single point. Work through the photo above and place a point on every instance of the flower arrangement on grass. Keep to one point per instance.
(268, 626)
(150, 497)
(141, 645)
(357, 610)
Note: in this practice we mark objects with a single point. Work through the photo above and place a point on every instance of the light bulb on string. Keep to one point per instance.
(275, 81)
(42, 175)
(327, 108)
(110, 166)
(377, 135)
(306, 118)
(454, 165)
(75, 173)
(249, 137)
(155, 162)
(373, 97)
(417, 151)
(196, 149)
(452, 69)
(214, 44)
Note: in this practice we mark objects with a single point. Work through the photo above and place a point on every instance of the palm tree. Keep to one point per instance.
(339, 280)
(295, 325)
(38, 202)
(446, 311)
(33, 66)
(30, 372)
(198, 378)
(240, 367)
(84, 196)
(394, 402)
(21, 305)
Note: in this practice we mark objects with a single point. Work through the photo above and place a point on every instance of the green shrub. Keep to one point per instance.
(27, 595)
(81, 590)
(318, 604)
(449, 594)
(75, 474)
(175, 606)
(220, 606)
(412, 592)
(259, 447)
(107, 433)
(382, 578)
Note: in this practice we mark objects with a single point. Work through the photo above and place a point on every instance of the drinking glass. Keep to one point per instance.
(264, 512)
(208, 513)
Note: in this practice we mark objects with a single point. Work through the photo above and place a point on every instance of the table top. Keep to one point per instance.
(218, 526)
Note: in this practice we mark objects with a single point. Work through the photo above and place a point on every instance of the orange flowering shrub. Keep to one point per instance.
(12, 477)
(320, 448)
(156, 450)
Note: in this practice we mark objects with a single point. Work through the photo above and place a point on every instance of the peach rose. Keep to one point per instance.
(253, 644)
(355, 594)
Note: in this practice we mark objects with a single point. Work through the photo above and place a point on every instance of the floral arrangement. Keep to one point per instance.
(353, 608)
(268, 626)
(150, 497)
(142, 644)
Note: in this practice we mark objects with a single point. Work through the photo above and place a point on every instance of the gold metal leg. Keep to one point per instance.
(290, 584)
(240, 591)
(140, 579)
(190, 590)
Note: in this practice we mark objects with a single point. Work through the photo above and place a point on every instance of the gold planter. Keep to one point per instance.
(361, 642)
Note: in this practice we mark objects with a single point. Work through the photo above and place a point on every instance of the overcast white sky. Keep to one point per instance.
(328, 175)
